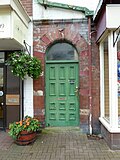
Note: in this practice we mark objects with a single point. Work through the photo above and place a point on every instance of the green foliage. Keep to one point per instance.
(27, 124)
(23, 64)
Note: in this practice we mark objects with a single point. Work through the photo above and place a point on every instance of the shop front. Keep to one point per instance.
(14, 26)
(109, 46)
(10, 93)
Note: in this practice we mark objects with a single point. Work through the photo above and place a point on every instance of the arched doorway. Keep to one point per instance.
(62, 100)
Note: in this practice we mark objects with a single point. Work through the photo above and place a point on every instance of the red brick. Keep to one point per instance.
(28, 6)
(72, 31)
(45, 39)
(38, 102)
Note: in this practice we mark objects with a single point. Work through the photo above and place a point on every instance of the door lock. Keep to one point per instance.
(76, 91)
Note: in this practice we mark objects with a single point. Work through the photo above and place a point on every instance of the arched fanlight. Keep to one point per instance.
(62, 51)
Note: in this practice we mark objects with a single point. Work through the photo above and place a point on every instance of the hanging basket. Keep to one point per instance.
(23, 65)
(26, 138)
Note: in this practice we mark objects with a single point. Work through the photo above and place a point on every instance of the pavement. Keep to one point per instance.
(57, 144)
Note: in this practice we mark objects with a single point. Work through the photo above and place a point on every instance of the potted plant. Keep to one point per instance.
(22, 64)
(24, 131)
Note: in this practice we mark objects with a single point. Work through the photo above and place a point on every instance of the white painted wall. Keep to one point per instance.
(14, 23)
(112, 15)
(5, 23)
(28, 82)
(19, 29)
(39, 12)
(28, 97)
(4, 2)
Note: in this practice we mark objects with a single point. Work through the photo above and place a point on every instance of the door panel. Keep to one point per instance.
(12, 95)
(62, 107)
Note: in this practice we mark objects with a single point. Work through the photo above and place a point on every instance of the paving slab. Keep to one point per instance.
(57, 143)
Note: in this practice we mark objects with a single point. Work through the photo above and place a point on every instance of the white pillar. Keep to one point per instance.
(102, 108)
(113, 94)
(28, 82)
(28, 97)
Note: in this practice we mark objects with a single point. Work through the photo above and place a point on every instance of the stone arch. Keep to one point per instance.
(53, 36)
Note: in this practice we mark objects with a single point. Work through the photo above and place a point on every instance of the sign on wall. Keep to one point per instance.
(4, 24)
(12, 99)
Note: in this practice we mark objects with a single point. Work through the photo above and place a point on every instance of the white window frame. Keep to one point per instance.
(112, 125)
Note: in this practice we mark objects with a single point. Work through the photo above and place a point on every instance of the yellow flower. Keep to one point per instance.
(27, 120)
(20, 123)
(28, 123)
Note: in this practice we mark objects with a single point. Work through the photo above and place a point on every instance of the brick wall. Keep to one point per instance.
(27, 4)
(45, 33)
(95, 85)
(112, 139)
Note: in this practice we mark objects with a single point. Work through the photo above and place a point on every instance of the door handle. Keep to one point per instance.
(76, 91)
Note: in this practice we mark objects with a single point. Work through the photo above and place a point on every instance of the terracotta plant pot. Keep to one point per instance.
(26, 138)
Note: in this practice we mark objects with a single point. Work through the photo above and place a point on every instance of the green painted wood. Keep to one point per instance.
(66, 6)
(62, 107)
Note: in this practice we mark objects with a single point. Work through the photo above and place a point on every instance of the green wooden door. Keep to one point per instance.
(62, 108)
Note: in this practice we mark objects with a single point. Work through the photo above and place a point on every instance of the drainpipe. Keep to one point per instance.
(90, 75)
